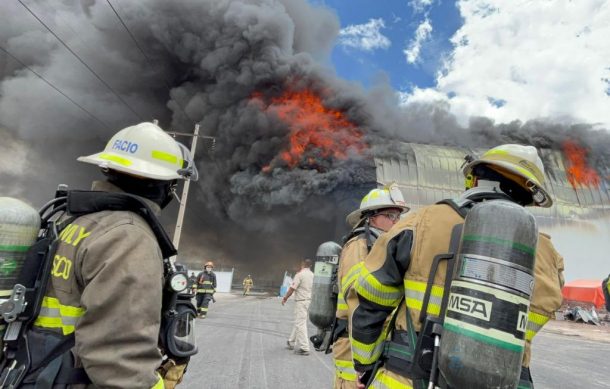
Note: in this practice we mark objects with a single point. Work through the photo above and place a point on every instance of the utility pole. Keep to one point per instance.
(185, 190)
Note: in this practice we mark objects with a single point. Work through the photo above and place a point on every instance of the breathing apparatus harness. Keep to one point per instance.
(415, 355)
(24, 304)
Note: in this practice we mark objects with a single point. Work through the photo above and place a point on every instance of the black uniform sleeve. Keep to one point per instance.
(379, 292)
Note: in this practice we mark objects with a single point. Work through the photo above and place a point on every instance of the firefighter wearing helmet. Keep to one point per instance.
(379, 210)
(397, 274)
(206, 287)
(106, 262)
(247, 284)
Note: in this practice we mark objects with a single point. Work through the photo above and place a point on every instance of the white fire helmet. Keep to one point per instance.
(518, 163)
(387, 197)
(145, 150)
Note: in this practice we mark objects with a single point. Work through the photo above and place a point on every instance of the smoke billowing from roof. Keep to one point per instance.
(227, 65)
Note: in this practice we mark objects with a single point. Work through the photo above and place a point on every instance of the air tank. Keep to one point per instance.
(19, 226)
(486, 317)
(324, 293)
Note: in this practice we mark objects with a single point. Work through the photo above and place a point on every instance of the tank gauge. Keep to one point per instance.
(178, 282)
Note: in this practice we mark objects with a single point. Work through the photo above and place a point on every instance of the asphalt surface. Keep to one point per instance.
(242, 344)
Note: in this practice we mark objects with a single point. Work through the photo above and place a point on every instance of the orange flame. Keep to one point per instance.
(578, 171)
(315, 130)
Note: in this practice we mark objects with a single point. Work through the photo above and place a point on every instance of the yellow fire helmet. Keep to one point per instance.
(145, 150)
(387, 197)
(518, 163)
(209, 263)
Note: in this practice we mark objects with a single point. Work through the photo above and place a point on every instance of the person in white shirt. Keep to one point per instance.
(301, 287)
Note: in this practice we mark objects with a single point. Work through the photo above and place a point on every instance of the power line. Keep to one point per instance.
(167, 83)
(81, 61)
(56, 88)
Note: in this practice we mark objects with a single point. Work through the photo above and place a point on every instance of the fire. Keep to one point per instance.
(316, 132)
(577, 169)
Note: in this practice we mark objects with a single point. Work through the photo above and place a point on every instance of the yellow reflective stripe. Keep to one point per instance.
(166, 157)
(116, 158)
(371, 289)
(53, 314)
(345, 370)
(383, 381)
(367, 354)
(495, 151)
(352, 275)
(54, 322)
(414, 296)
(6, 293)
(159, 384)
(64, 310)
(341, 304)
(535, 322)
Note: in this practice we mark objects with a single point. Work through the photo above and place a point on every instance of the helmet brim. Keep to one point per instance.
(356, 216)
(546, 202)
(133, 166)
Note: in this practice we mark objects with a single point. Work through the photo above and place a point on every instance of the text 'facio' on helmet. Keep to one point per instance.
(145, 150)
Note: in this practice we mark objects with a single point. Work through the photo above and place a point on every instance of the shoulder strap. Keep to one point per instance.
(460, 208)
(82, 202)
(364, 232)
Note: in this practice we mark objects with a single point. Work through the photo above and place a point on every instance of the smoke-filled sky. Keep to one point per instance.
(258, 76)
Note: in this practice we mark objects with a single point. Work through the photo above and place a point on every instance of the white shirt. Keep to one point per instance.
(302, 285)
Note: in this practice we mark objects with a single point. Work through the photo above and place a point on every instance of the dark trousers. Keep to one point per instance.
(203, 301)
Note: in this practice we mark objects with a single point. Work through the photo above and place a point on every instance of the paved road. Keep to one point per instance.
(569, 362)
(242, 345)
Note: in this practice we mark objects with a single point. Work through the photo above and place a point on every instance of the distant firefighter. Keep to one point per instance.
(248, 284)
(606, 289)
(192, 285)
(206, 287)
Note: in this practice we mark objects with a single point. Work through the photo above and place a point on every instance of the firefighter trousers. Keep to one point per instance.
(203, 301)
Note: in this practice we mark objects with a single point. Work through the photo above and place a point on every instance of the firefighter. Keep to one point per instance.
(398, 267)
(192, 285)
(106, 285)
(248, 284)
(606, 290)
(379, 210)
(206, 287)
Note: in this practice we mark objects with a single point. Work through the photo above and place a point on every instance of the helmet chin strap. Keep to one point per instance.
(367, 233)
(175, 195)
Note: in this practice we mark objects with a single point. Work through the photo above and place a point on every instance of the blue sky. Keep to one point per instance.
(505, 60)
(401, 20)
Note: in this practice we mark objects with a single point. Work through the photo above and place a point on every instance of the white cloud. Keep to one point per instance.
(420, 5)
(418, 95)
(525, 60)
(367, 36)
(422, 33)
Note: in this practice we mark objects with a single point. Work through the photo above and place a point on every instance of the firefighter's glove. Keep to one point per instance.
(172, 374)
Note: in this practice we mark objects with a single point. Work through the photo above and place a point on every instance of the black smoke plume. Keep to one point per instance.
(202, 61)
